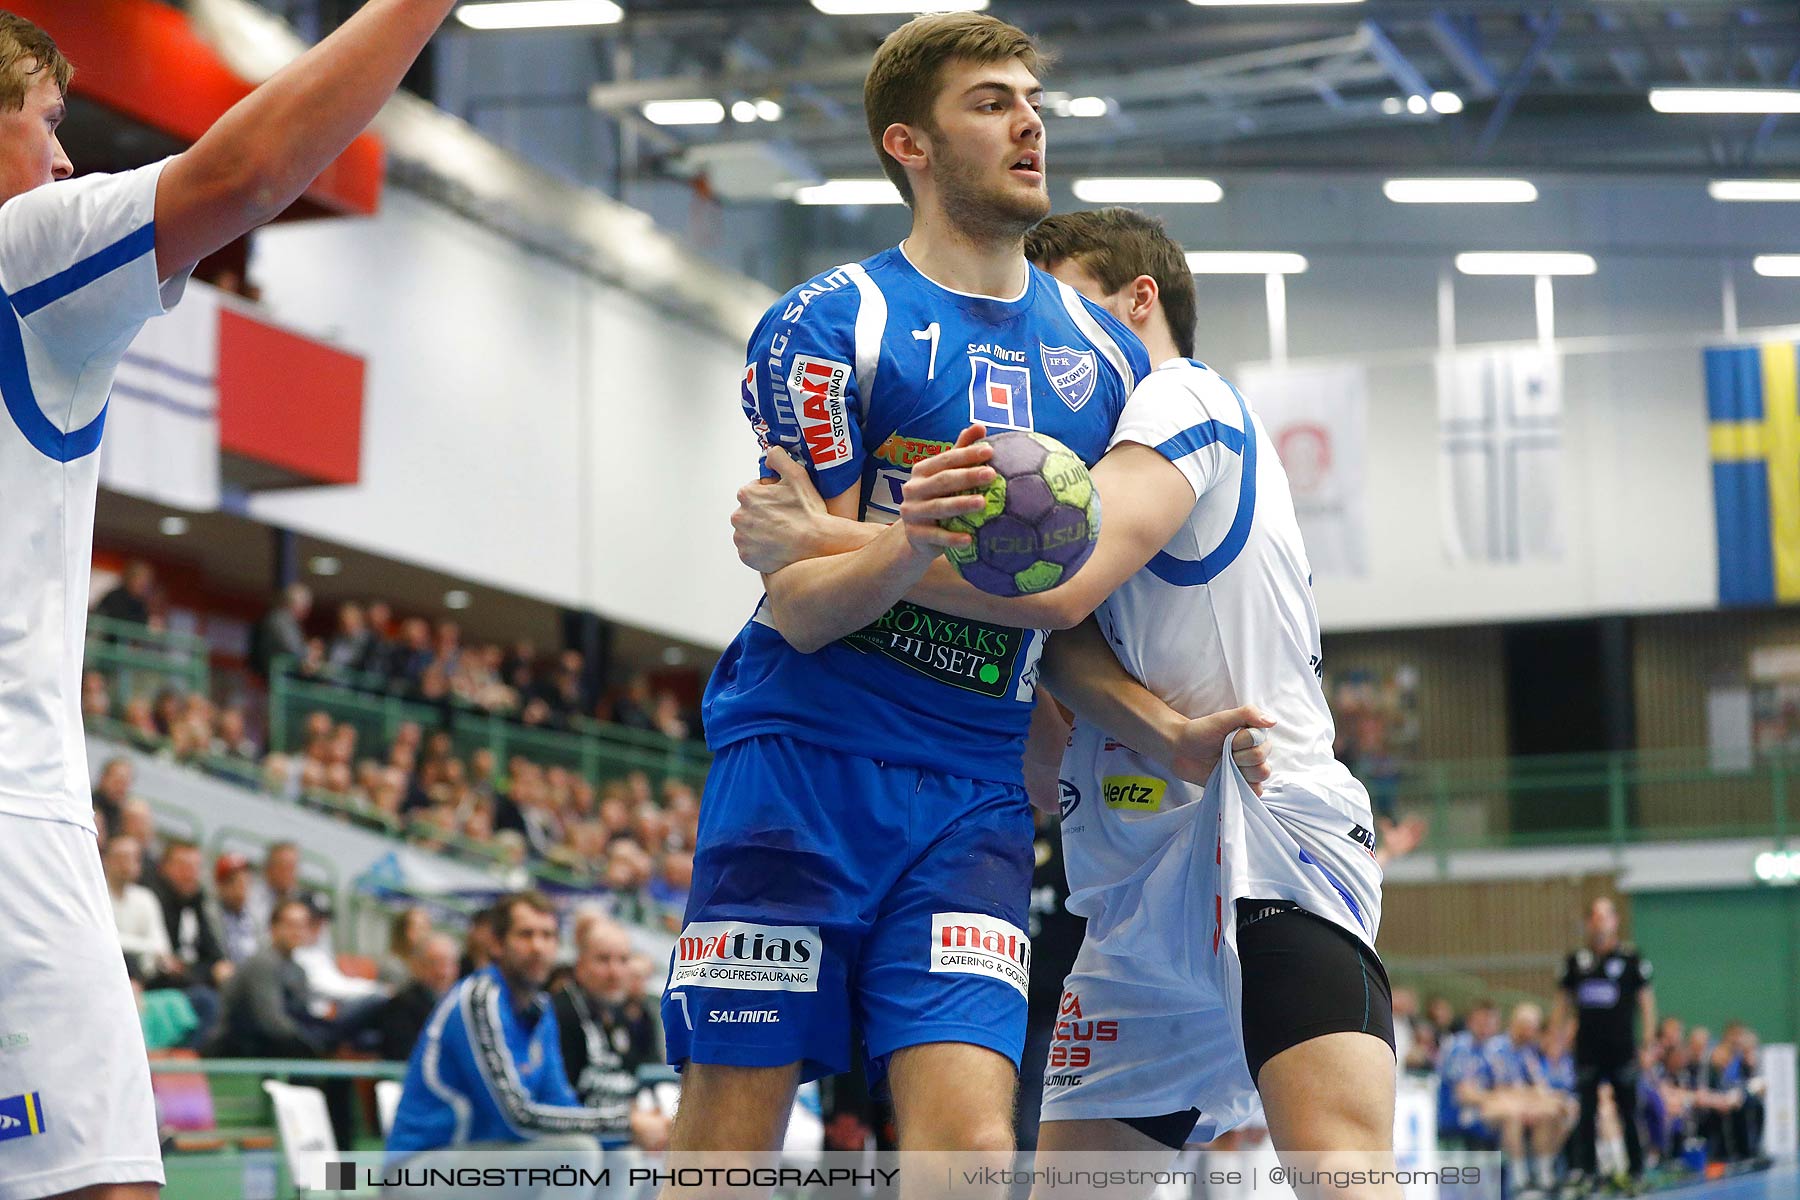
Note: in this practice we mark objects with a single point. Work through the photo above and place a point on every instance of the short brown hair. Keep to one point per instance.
(1115, 246)
(902, 83)
(503, 909)
(25, 51)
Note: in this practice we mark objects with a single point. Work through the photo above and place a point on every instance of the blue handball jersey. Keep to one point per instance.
(859, 373)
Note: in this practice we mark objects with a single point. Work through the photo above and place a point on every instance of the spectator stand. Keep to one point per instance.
(369, 704)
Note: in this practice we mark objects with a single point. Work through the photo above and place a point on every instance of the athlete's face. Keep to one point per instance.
(528, 951)
(985, 148)
(30, 155)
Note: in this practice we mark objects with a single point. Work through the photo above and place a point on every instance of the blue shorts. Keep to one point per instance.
(832, 892)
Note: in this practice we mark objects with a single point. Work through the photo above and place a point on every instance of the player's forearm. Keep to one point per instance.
(1087, 677)
(943, 589)
(271, 145)
(816, 601)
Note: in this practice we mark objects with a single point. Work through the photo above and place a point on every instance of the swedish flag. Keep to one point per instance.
(1753, 407)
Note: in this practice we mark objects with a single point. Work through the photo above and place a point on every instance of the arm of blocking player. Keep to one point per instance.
(1044, 746)
(815, 601)
(264, 153)
(1144, 498)
(1088, 679)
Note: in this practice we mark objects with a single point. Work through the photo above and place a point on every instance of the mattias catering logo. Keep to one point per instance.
(755, 958)
(965, 943)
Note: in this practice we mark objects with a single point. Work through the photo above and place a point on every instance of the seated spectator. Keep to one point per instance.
(112, 790)
(280, 880)
(412, 656)
(380, 645)
(668, 891)
(282, 631)
(231, 736)
(136, 914)
(500, 1085)
(408, 929)
(201, 967)
(129, 602)
(432, 969)
(349, 1001)
(240, 934)
(607, 1034)
(96, 695)
(269, 1008)
(635, 706)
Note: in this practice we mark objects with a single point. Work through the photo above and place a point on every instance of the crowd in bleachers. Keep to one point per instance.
(1512, 1087)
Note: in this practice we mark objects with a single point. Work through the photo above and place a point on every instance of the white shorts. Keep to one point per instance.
(75, 1102)
(1151, 1019)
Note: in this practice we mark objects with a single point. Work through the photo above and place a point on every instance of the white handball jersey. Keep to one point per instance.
(78, 269)
(1222, 616)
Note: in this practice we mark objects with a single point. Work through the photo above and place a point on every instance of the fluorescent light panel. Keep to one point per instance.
(1525, 263)
(683, 112)
(863, 8)
(849, 191)
(1725, 100)
(1244, 262)
(1261, 3)
(539, 14)
(1087, 106)
(1148, 191)
(1754, 189)
(1777, 266)
(1459, 191)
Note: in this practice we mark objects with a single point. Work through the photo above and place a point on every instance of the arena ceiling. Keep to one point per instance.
(1546, 86)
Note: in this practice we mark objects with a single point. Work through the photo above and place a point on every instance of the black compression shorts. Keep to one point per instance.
(1303, 978)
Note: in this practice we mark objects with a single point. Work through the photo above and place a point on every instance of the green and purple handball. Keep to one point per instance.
(1041, 522)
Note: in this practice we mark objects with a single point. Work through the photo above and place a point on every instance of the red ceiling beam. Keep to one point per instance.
(143, 60)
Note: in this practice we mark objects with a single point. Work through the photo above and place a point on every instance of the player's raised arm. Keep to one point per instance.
(264, 153)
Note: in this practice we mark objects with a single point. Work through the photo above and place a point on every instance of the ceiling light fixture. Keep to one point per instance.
(1244, 262)
(1525, 263)
(849, 191)
(1725, 100)
(1448, 103)
(325, 564)
(1777, 266)
(743, 112)
(173, 526)
(457, 598)
(1459, 191)
(1088, 106)
(863, 8)
(1148, 191)
(768, 110)
(683, 112)
(539, 14)
(1754, 189)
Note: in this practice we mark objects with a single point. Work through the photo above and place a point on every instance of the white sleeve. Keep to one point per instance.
(78, 263)
(1191, 417)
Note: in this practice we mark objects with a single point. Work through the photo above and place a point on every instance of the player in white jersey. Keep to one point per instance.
(83, 264)
(1230, 941)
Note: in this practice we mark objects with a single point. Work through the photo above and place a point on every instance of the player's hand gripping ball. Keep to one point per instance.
(1041, 522)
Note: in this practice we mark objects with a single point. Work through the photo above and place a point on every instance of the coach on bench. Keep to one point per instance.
(487, 1073)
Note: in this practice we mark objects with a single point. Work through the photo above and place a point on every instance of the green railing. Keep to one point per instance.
(142, 662)
(595, 750)
(1598, 799)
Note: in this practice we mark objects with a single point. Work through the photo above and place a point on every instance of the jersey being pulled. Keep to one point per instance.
(1222, 616)
(860, 373)
(78, 268)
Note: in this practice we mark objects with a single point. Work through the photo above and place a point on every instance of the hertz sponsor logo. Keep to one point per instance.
(755, 958)
(977, 944)
(1133, 793)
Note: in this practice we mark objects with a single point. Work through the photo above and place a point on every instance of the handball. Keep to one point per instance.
(1041, 521)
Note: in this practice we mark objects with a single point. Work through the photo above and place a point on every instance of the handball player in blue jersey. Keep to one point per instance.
(864, 856)
(83, 264)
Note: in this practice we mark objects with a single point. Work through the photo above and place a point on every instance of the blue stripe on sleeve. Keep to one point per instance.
(1182, 572)
(1198, 437)
(132, 246)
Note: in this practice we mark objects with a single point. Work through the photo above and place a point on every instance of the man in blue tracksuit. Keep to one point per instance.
(487, 1073)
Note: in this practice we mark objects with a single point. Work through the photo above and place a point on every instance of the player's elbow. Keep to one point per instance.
(794, 629)
(1065, 607)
